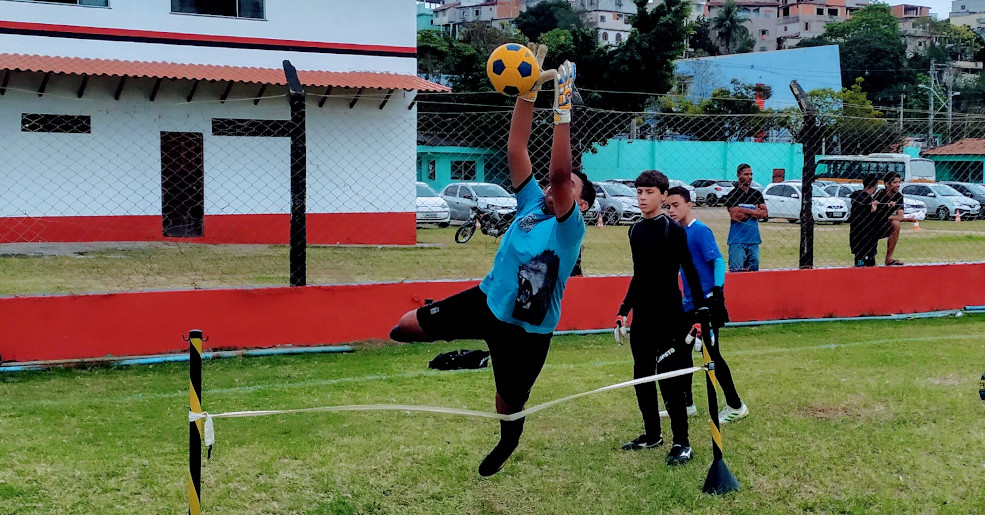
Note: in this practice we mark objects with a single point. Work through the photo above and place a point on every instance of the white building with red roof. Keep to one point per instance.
(116, 116)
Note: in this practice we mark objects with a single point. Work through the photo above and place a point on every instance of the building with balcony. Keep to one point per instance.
(762, 20)
(452, 16)
(916, 36)
(803, 20)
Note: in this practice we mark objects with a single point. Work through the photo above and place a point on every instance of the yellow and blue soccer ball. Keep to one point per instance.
(512, 69)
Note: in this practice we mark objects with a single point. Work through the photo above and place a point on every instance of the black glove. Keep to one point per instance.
(719, 314)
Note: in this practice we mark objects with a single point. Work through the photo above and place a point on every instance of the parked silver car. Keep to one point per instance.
(431, 208)
(673, 182)
(942, 200)
(463, 196)
(969, 189)
(711, 191)
(618, 203)
(592, 215)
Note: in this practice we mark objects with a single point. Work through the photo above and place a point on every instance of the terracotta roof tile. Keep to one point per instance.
(120, 68)
(965, 147)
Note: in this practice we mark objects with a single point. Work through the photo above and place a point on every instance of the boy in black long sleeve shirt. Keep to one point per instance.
(659, 246)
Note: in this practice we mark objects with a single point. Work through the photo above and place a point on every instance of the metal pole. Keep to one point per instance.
(901, 97)
(930, 116)
(299, 229)
(809, 139)
(720, 479)
(949, 76)
(196, 429)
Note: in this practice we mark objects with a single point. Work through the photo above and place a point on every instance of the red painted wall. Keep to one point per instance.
(83, 326)
(323, 229)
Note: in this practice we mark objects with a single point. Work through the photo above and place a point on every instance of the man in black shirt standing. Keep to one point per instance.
(746, 206)
(660, 251)
(864, 231)
(889, 214)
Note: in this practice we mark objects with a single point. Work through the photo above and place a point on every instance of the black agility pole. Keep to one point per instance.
(195, 428)
(720, 479)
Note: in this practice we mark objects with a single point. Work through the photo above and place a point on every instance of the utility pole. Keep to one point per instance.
(949, 78)
(930, 113)
(901, 97)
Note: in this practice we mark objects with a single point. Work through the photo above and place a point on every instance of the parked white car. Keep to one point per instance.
(912, 208)
(431, 208)
(942, 200)
(711, 191)
(783, 201)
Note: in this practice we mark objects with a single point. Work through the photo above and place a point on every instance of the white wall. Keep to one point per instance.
(363, 22)
(359, 160)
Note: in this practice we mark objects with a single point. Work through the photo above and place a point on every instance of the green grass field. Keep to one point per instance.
(846, 417)
(71, 268)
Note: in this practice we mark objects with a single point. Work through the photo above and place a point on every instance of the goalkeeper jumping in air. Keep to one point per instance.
(516, 307)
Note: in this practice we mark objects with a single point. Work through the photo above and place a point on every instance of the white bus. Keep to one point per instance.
(853, 168)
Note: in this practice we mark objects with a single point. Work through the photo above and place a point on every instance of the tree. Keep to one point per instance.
(730, 25)
(700, 39)
(547, 16)
(871, 47)
(850, 124)
(732, 114)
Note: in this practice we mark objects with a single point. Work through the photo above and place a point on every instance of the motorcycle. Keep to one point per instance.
(491, 220)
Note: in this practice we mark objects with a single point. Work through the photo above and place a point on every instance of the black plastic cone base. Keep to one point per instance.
(720, 479)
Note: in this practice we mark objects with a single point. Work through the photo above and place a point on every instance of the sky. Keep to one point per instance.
(938, 7)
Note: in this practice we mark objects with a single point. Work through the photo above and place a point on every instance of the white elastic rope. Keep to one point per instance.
(210, 431)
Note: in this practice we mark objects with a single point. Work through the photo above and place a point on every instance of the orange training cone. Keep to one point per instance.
(916, 225)
(599, 223)
(957, 216)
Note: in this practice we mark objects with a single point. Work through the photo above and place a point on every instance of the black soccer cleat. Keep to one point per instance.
(679, 454)
(494, 461)
(642, 442)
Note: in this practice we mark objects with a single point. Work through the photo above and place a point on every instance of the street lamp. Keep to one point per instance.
(930, 117)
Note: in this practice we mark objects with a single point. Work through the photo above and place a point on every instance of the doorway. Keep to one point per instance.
(182, 184)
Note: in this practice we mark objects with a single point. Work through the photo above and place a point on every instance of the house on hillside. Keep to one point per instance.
(142, 120)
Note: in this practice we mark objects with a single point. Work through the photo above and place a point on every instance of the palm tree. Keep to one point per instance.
(729, 23)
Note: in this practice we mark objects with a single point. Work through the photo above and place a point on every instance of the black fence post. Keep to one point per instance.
(299, 171)
(809, 139)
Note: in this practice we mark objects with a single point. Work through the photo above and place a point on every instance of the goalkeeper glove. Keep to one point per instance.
(564, 83)
(545, 75)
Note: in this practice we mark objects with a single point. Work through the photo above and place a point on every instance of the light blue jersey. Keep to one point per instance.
(533, 263)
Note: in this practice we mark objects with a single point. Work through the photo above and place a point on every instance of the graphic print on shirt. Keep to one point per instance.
(537, 279)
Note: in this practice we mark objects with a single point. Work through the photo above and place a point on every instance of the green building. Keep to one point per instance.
(962, 160)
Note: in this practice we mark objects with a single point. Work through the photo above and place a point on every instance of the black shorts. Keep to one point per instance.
(887, 231)
(516, 355)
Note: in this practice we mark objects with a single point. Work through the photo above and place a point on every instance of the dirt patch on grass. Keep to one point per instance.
(948, 380)
(841, 411)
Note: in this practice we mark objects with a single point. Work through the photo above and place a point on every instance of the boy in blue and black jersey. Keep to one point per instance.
(711, 270)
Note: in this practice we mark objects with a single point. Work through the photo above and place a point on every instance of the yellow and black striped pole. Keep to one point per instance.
(196, 428)
(720, 479)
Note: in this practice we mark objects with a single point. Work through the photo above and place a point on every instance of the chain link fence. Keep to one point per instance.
(185, 195)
